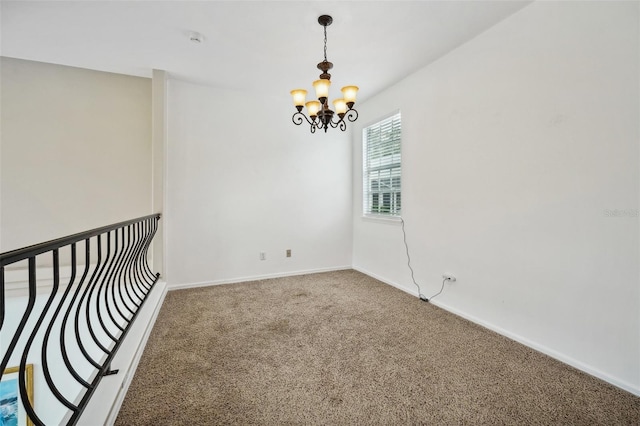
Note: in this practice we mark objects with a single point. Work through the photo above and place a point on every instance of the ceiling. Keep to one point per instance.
(269, 47)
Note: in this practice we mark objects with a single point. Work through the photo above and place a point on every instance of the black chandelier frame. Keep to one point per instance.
(325, 117)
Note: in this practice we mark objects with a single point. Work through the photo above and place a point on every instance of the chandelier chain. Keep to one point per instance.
(325, 43)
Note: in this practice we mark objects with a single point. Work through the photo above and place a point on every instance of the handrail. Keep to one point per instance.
(13, 256)
(73, 337)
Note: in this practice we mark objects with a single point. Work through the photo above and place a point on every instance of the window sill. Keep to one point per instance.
(390, 220)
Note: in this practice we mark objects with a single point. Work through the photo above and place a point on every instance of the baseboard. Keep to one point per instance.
(520, 339)
(387, 281)
(544, 349)
(255, 278)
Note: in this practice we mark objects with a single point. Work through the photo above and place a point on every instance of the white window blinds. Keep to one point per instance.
(382, 167)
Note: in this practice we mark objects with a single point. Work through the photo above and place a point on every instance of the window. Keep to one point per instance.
(382, 168)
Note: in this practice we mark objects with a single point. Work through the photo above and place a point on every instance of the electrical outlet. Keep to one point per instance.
(449, 277)
(288, 252)
(263, 255)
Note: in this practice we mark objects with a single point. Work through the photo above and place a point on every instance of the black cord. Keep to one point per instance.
(441, 288)
(404, 234)
(420, 295)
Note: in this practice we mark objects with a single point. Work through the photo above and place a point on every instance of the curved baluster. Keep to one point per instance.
(25, 317)
(151, 229)
(79, 308)
(136, 276)
(45, 342)
(14, 341)
(2, 302)
(109, 284)
(118, 278)
(123, 282)
(133, 232)
(45, 366)
(93, 282)
(151, 226)
(106, 270)
(139, 287)
(63, 328)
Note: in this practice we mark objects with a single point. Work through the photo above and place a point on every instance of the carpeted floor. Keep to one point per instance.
(341, 348)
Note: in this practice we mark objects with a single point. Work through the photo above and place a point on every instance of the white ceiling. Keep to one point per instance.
(269, 47)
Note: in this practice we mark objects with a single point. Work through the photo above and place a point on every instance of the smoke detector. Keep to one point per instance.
(196, 38)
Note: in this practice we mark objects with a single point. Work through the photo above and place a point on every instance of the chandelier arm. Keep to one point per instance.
(297, 118)
(351, 115)
(341, 124)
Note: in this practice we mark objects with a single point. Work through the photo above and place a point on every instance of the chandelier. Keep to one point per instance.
(320, 115)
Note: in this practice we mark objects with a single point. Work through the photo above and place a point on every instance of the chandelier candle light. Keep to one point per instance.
(320, 115)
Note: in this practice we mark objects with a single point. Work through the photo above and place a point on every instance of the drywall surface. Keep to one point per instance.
(243, 180)
(521, 178)
(76, 150)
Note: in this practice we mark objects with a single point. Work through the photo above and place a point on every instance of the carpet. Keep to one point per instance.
(342, 348)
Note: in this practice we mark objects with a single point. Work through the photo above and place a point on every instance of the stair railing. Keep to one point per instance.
(72, 323)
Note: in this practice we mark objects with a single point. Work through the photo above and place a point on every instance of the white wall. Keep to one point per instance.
(76, 154)
(76, 150)
(518, 147)
(243, 179)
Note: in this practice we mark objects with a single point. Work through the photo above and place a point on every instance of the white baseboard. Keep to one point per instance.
(544, 349)
(629, 387)
(256, 278)
(387, 281)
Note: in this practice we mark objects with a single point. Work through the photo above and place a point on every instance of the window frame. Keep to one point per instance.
(392, 173)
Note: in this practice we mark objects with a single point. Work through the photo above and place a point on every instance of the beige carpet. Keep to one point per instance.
(341, 348)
